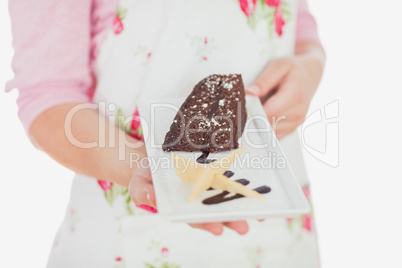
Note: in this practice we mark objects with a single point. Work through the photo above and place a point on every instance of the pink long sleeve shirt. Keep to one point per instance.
(56, 43)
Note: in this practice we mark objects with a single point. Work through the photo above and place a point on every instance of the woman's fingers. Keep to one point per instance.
(142, 191)
(285, 126)
(241, 227)
(270, 78)
(283, 130)
(214, 227)
(282, 101)
(288, 121)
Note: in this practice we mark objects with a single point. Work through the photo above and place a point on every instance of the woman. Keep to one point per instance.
(114, 53)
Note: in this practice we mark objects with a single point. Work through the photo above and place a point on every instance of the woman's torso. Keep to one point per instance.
(162, 49)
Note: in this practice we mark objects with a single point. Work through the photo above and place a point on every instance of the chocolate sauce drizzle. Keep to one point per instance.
(203, 158)
(229, 174)
(220, 198)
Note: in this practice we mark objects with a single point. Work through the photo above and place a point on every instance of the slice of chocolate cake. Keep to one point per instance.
(212, 118)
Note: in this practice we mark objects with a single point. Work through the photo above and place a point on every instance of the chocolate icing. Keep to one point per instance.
(212, 118)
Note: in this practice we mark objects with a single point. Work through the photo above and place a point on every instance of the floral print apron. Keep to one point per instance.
(159, 48)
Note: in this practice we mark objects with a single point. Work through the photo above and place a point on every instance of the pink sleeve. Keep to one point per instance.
(306, 25)
(54, 44)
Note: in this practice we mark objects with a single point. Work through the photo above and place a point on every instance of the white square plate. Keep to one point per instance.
(262, 163)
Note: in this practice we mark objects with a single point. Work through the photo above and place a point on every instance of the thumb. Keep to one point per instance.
(142, 191)
(270, 78)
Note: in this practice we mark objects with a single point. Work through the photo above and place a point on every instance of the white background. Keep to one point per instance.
(358, 205)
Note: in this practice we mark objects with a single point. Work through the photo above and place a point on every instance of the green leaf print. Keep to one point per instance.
(169, 265)
(286, 11)
(121, 122)
(115, 191)
(121, 12)
(128, 204)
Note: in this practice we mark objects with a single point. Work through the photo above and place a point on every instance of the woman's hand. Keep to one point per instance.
(142, 192)
(287, 85)
(141, 187)
(241, 227)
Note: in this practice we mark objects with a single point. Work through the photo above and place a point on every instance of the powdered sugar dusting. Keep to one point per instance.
(228, 86)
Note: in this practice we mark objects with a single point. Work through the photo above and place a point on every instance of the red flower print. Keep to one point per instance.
(165, 252)
(279, 22)
(118, 26)
(105, 185)
(135, 136)
(136, 131)
(248, 6)
(147, 208)
(204, 58)
(205, 40)
(273, 3)
(307, 217)
(306, 192)
(118, 258)
(307, 222)
(149, 55)
(136, 122)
